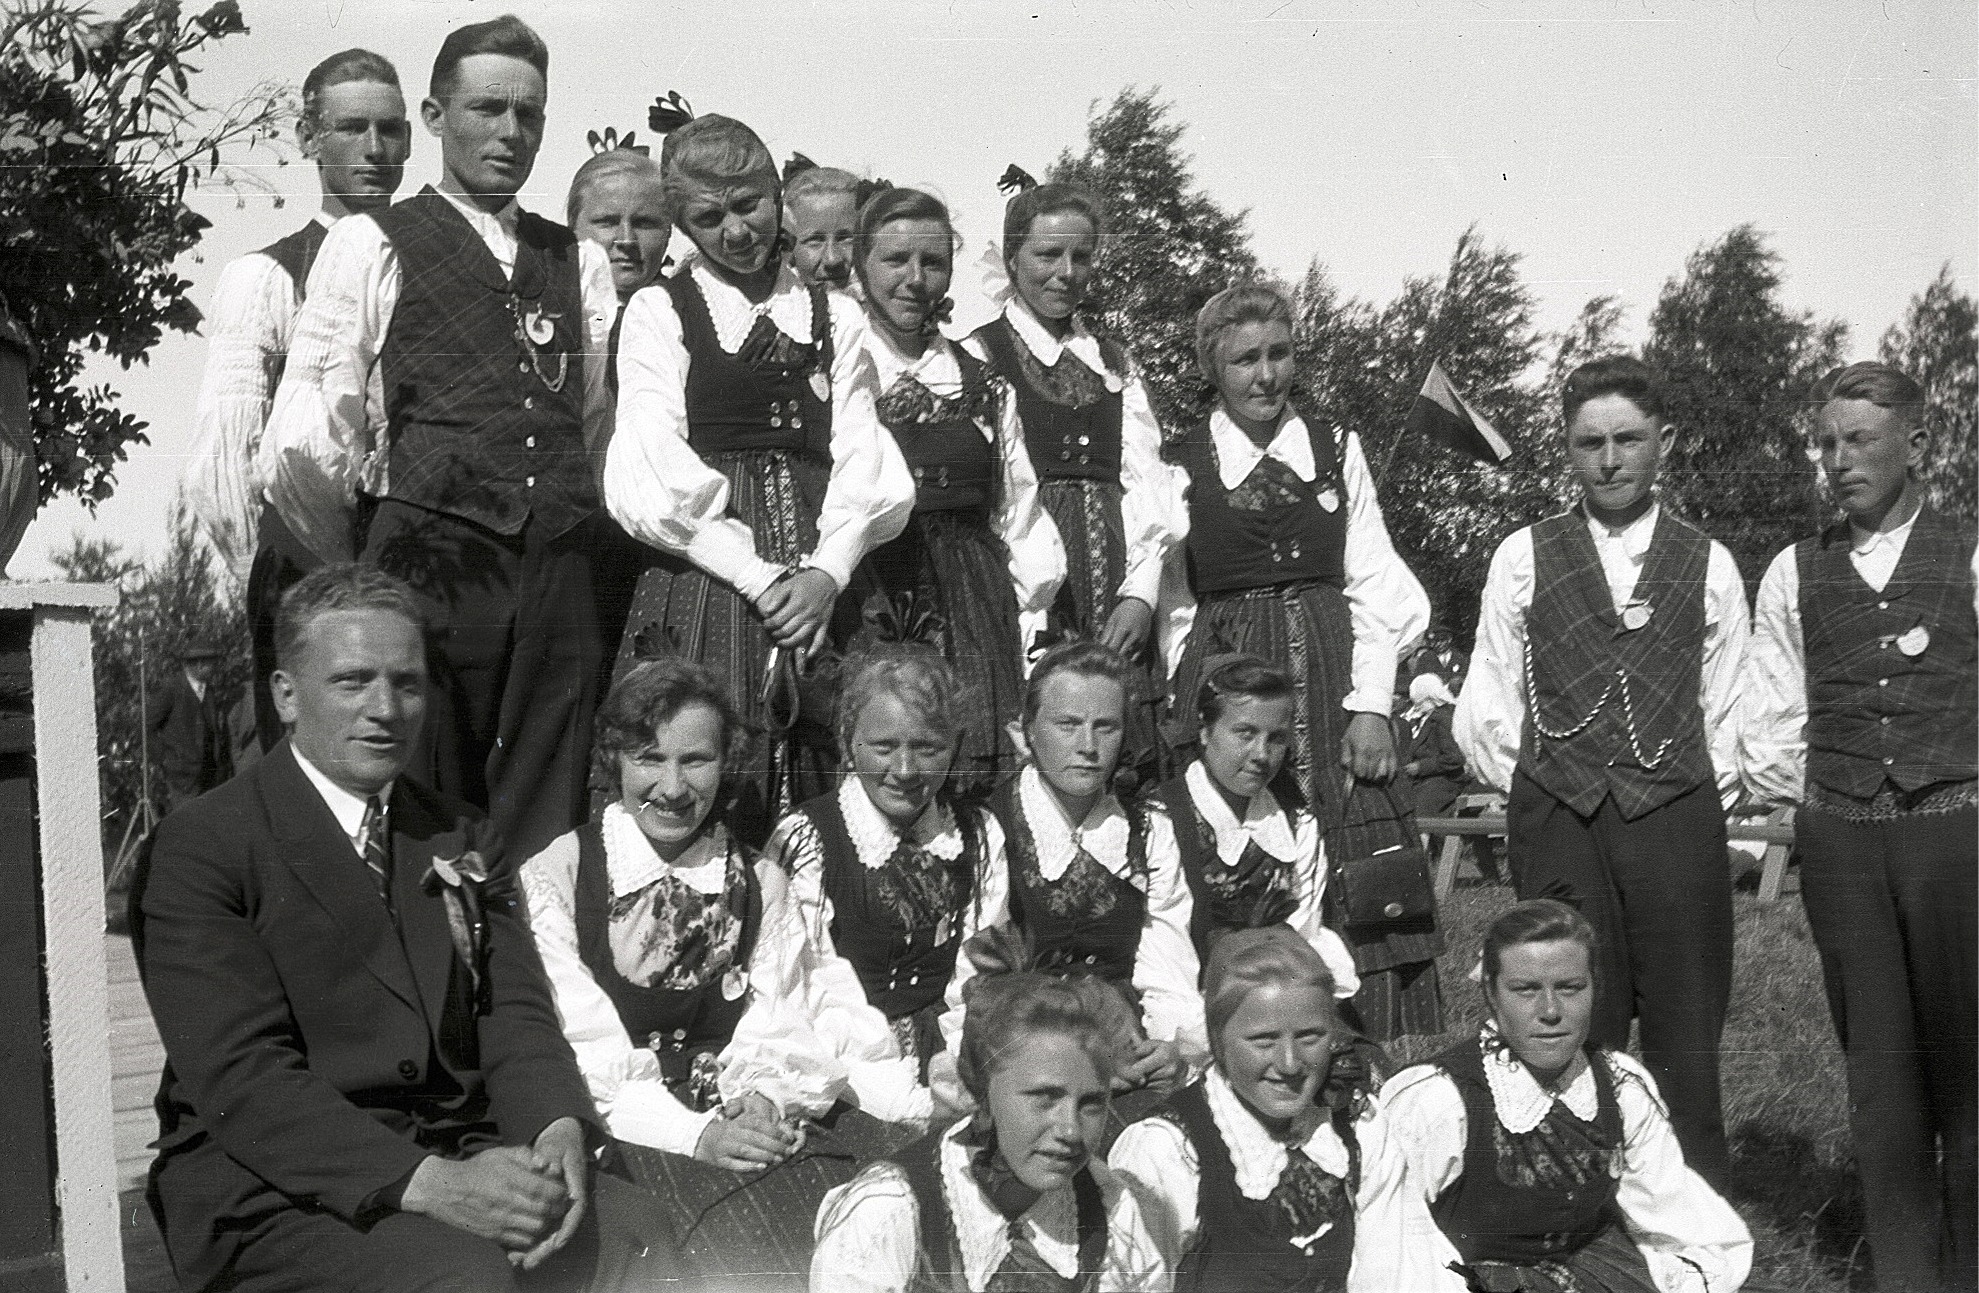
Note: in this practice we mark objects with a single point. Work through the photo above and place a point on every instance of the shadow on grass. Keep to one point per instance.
(1805, 1210)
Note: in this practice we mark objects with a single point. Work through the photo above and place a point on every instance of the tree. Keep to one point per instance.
(99, 142)
(1169, 247)
(1738, 365)
(1937, 342)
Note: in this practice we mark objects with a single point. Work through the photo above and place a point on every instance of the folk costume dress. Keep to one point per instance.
(925, 1221)
(682, 986)
(1091, 434)
(747, 447)
(1288, 558)
(978, 551)
(1580, 1191)
(886, 913)
(1263, 869)
(1603, 699)
(1861, 709)
(1237, 1209)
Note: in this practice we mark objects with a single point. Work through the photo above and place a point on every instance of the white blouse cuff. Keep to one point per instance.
(891, 1091)
(726, 554)
(1369, 700)
(1144, 580)
(646, 1113)
(837, 553)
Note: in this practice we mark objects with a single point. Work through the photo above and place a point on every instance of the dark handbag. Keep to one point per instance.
(1380, 871)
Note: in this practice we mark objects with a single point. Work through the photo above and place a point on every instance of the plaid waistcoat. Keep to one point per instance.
(484, 424)
(1875, 711)
(1612, 710)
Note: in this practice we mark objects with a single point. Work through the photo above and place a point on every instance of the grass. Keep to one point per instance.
(1786, 1102)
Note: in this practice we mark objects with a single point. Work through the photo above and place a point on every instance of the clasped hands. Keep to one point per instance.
(530, 1199)
(748, 1136)
(796, 609)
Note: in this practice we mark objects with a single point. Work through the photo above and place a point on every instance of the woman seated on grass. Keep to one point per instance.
(1012, 1198)
(1275, 1169)
(1548, 1165)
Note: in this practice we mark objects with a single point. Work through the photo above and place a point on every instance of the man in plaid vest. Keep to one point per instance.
(1601, 696)
(1863, 708)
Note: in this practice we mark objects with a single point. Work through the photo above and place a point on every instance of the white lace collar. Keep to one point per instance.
(733, 314)
(935, 367)
(874, 838)
(982, 1232)
(1258, 1156)
(1522, 1103)
(1237, 455)
(1057, 839)
(1045, 348)
(631, 863)
(1264, 822)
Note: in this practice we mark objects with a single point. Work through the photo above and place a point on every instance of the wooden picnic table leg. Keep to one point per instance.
(1773, 872)
(1446, 866)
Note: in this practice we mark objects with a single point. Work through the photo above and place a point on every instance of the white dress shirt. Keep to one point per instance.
(1691, 1239)
(1286, 837)
(775, 1051)
(1491, 713)
(1165, 966)
(1153, 514)
(1157, 1161)
(665, 495)
(326, 436)
(1772, 750)
(1037, 556)
(869, 1238)
(346, 807)
(1389, 608)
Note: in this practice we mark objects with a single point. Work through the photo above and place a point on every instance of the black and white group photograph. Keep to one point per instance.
(989, 646)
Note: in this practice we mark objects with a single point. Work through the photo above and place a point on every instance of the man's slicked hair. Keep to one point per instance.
(507, 35)
(346, 586)
(351, 65)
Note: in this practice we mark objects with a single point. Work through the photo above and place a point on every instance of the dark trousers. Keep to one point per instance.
(1892, 905)
(1659, 896)
(515, 650)
(623, 1244)
(279, 561)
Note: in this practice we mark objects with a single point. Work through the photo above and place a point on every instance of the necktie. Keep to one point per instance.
(377, 847)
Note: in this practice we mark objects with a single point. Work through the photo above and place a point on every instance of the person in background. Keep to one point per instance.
(353, 126)
(1538, 1160)
(190, 724)
(1864, 689)
(439, 415)
(1432, 762)
(821, 222)
(1603, 698)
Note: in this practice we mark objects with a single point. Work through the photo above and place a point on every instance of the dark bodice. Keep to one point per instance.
(938, 1267)
(1258, 890)
(773, 393)
(1071, 421)
(1273, 528)
(955, 466)
(1088, 919)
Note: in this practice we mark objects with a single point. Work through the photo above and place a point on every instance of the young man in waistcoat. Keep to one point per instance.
(353, 126)
(443, 396)
(1863, 695)
(1601, 696)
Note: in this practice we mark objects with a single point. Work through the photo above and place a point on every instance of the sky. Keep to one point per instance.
(1604, 140)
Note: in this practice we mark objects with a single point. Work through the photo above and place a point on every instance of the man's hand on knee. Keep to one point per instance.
(560, 1154)
(500, 1194)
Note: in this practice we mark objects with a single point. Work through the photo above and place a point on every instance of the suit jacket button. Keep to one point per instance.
(408, 1070)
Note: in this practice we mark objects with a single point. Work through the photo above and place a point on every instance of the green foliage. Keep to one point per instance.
(1937, 342)
(1169, 247)
(99, 143)
(1738, 365)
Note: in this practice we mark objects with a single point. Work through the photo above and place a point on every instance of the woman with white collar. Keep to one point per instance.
(1288, 559)
(1275, 1172)
(1249, 847)
(1090, 430)
(1547, 1164)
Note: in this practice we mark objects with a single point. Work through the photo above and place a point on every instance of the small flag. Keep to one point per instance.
(1445, 416)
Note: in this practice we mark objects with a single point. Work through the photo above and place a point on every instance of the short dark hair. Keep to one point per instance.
(1622, 375)
(1032, 204)
(350, 65)
(887, 206)
(1884, 385)
(1086, 659)
(1537, 920)
(507, 35)
(346, 586)
(650, 694)
(1243, 675)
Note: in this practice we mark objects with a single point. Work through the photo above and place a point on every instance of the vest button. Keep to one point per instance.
(529, 482)
(797, 421)
(529, 401)
(529, 442)
(920, 473)
(1085, 458)
(680, 1034)
(1889, 763)
(775, 421)
(1092, 960)
(1085, 439)
(1884, 720)
(913, 980)
(521, 365)
(1882, 682)
(408, 1070)
(1882, 606)
(1065, 455)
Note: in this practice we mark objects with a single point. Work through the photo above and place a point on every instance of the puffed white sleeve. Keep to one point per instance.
(1152, 510)
(1420, 1154)
(253, 310)
(327, 422)
(1165, 965)
(867, 1234)
(1153, 1158)
(1689, 1235)
(990, 907)
(600, 299)
(1386, 601)
(1772, 754)
(625, 1080)
(655, 485)
(1037, 554)
(1727, 630)
(871, 492)
(1490, 718)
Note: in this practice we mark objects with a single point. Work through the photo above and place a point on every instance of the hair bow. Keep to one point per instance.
(1015, 180)
(797, 165)
(669, 113)
(658, 642)
(866, 190)
(903, 619)
(609, 140)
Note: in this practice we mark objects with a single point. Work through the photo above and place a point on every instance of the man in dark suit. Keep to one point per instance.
(366, 1085)
(190, 726)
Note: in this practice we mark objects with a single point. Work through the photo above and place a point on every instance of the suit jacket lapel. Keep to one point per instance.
(418, 836)
(319, 853)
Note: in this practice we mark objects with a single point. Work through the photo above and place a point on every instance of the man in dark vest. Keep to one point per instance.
(353, 126)
(443, 396)
(1602, 697)
(1863, 708)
